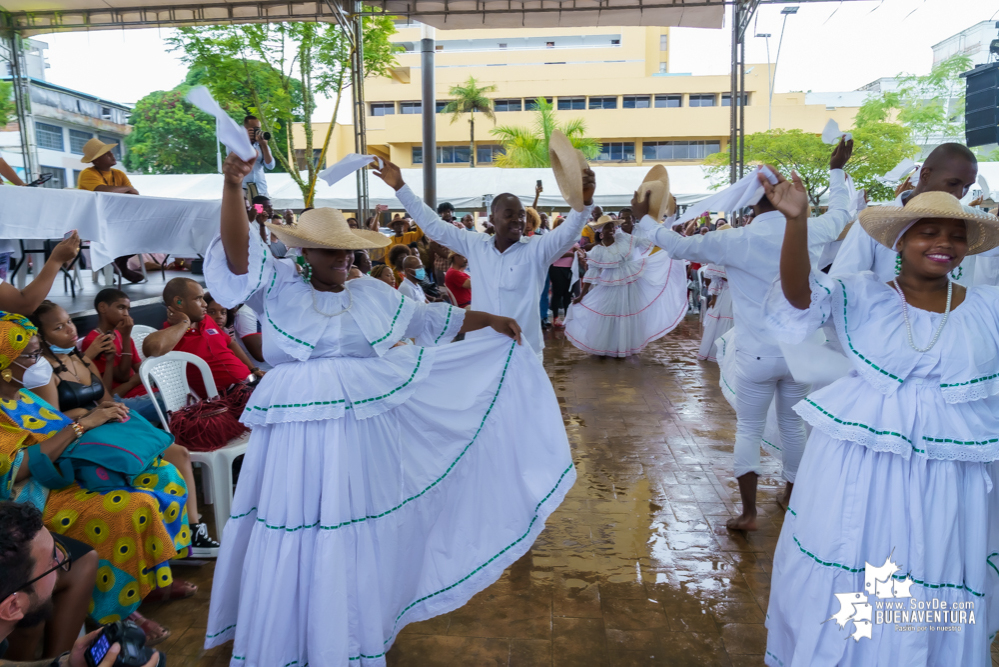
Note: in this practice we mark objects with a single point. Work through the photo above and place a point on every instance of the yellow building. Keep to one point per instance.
(617, 80)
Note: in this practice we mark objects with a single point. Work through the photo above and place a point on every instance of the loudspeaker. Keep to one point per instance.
(981, 107)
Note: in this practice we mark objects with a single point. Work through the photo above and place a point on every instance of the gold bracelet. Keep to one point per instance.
(77, 429)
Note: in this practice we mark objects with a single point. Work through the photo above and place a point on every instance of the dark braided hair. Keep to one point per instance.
(45, 308)
(19, 523)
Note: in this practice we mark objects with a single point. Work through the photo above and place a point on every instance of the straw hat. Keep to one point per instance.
(326, 228)
(886, 223)
(599, 224)
(655, 187)
(723, 227)
(568, 164)
(95, 148)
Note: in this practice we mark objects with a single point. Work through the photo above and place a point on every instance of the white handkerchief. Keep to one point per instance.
(744, 192)
(901, 170)
(984, 185)
(351, 163)
(831, 134)
(229, 132)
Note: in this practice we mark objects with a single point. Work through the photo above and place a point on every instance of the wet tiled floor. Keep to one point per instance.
(636, 566)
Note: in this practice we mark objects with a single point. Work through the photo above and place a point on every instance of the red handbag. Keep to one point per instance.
(204, 426)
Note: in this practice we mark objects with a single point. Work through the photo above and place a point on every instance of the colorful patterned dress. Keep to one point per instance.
(135, 531)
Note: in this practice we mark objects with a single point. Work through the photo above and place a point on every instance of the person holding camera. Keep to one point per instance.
(264, 161)
(31, 562)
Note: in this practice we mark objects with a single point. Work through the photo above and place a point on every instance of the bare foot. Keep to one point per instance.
(742, 522)
(784, 498)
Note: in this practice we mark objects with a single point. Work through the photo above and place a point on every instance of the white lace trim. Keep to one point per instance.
(967, 392)
(790, 325)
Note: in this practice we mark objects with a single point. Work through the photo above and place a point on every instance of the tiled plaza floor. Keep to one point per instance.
(636, 566)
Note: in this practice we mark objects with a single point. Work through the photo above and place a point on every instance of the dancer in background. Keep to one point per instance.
(895, 496)
(718, 318)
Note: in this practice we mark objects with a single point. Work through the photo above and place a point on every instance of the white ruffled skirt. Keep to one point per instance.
(620, 317)
(717, 321)
(344, 530)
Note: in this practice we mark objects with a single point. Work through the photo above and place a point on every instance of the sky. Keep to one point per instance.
(827, 47)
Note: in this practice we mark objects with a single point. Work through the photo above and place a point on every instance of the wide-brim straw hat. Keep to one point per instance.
(886, 223)
(95, 148)
(568, 164)
(655, 188)
(326, 228)
(600, 222)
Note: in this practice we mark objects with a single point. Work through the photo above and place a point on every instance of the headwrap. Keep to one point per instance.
(16, 331)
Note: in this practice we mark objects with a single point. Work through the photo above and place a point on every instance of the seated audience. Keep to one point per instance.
(78, 389)
(136, 530)
(395, 256)
(413, 275)
(226, 319)
(458, 281)
(108, 343)
(384, 273)
(188, 330)
(362, 261)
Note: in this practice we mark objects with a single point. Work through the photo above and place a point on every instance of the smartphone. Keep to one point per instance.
(98, 650)
(68, 234)
(539, 182)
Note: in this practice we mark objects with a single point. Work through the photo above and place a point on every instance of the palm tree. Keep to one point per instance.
(528, 146)
(468, 98)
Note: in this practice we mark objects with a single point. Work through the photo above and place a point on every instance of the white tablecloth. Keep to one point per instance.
(115, 224)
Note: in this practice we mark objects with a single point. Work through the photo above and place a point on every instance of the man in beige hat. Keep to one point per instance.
(101, 177)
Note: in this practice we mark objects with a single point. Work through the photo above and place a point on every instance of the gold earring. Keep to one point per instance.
(6, 374)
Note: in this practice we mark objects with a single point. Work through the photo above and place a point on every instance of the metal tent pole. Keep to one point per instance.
(733, 139)
(740, 102)
(360, 130)
(22, 104)
(429, 110)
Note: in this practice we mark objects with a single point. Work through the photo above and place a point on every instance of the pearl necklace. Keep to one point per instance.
(908, 325)
(315, 306)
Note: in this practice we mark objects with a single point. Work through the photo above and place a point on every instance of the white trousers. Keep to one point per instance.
(758, 381)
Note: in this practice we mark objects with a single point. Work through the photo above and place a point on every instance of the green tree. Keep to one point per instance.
(469, 97)
(8, 111)
(170, 136)
(528, 146)
(931, 105)
(275, 71)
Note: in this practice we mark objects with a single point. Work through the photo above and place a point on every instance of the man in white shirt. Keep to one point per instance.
(413, 273)
(265, 161)
(751, 258)
(510, 268)
(949, 168)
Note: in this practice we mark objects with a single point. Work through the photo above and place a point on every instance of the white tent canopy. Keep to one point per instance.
(467, 189)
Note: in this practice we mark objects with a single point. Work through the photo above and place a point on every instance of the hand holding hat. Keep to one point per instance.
(575, 179)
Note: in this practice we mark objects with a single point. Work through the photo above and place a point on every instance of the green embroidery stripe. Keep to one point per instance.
(859, 425)
(402, 300)
(900, 577)
(975, 381)
(791, 511)
(287, 664)
(989, 561)
(770, 444)
(437, 481)
(950, 441)
(240, 516)
(281, 331)
(263, 264)
(849, 341)
(419, 362)
(779, 661)
(221, 631)
(446, 322)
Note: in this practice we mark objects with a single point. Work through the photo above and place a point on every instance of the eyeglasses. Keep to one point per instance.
(60, 556)
(33, 356)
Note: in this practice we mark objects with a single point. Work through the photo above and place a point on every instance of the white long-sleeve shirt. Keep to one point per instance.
(257, 174)
(507, 283)
(751, 257)
(860, 252)
(410, 289)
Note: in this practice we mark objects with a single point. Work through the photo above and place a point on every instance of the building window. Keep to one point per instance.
(726, 100)
(679, 150)
(664, 42)
(76, 141)
(702, 101)
(571, 103)
(417, 154)
(76, 177)
(439, 47)
(507, 105)
(549, 45)
(669, 101)
(635, 102)
(486, 154)
(49, 136)
(502, 45)
(382, 108)
(531, 104)
(58, 181)
(617, 152)
(615, 42)
(410, 108)
(441, 104)
(663, 68)
(603, 103)
(112, 140)
(445, 154)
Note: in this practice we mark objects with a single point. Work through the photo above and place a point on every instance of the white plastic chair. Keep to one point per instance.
(169, 374)
(139, 333)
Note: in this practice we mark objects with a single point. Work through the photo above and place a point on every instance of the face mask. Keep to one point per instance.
(37, 374)
(421, 274)
(61, 350)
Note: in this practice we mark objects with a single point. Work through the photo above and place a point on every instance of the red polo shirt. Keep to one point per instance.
(138, 390)
(207, 341)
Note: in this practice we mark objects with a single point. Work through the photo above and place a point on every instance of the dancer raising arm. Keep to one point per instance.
(895, 494)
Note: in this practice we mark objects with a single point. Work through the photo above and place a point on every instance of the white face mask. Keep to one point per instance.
(37, 374)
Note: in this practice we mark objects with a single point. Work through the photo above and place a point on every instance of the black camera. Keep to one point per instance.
(131, 638)
(265, 135)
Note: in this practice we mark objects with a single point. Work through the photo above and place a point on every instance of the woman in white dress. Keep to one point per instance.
(629, 298)
(382, 485)
(893, 512)
(718, 318)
